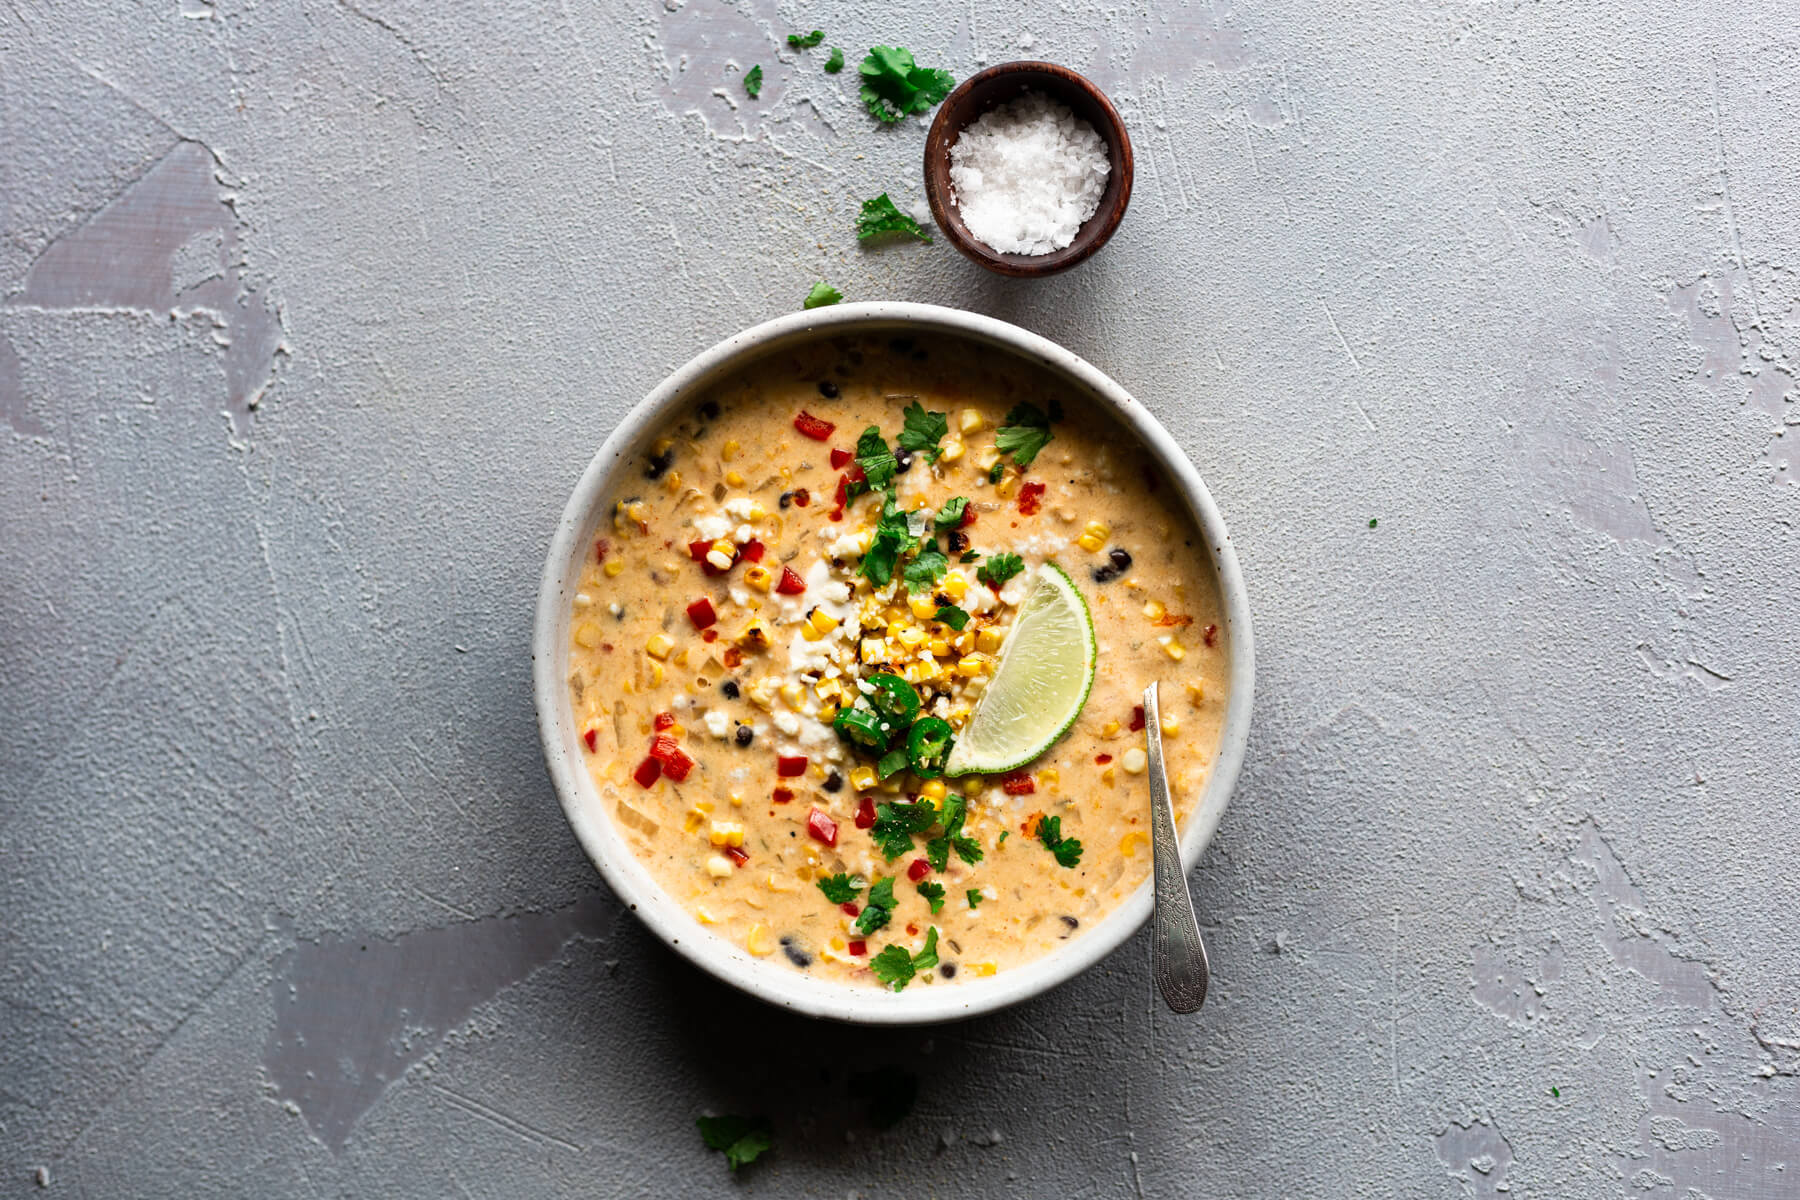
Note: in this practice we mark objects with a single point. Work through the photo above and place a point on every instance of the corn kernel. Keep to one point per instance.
(758, 576)
(778, 884)
(614, 569)
(1196, 694)
(737, 798)
(828, 714)
(693, 821)
(933, 789)
(985, 968)
(1006, 487)
(718, 866)
(587, 635)
(760, 941)
(938, 646)
(952, 451)
(1066, 515)
(965, 641)
(672, 482)
(755, 635)
(1129, 843)
(1170, 726)
(837, 943)
(1172, 648)
(734, 478)
(874, 650)
(719, 559)
(656, 674)
(1048, 776)
(863, 778)
(791, 692)
(969, 422)
(704, 915)
(1134, 761)
(923, 607)
(1093, 538)
(1110, 729)
(762, 693)
(659, 645)
(821, 620)
(988, 640)
(729, 450)
(1107, 777)
(896, 627)
(913, 638)
(987, 458)
(955, 585)
(971, 665)
(1154, 610)
(757, 511)
(726, 833)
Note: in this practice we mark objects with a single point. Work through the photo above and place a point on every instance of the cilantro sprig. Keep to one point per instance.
(937, 850)
(895, 825)
(933, 893)
(998, 568)
(835, 63)
(896, 968)
(927, 568)
(822, 294)
(880, 907)
(841, 888)
(975, 897)
(923, 431)
(1066, 850)
(805, 41)
(1026, 431)
(879, 217)
(753, 81)
(876, 460)
(895, 87)
(743, 1139)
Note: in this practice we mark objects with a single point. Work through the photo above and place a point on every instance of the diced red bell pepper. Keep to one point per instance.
(839, 458)
(821, 827)
(1210, 634)
(918, 870)
(1103, 759)
(668, 752)
(782, 795)
(1137, 717)
(791, 584)
(813, 427)
(858, 947)
(737, 854)
(865, 813)
(662, 721)
(802, 497)
(600, 549)
(789, 765)
(647, 772)
(1019, 783)
(850, 909)
(701, 613)
(968, 517)
(591, 737)
(752, 550)
(1031, 498)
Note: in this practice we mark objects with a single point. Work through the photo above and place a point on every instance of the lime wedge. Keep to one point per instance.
(1046, 670)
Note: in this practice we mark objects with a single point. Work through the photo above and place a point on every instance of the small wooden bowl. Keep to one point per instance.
(996, 86)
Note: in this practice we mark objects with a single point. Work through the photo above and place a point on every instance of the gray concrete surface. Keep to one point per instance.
(310, 313)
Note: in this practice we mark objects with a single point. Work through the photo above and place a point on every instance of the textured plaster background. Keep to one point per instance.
(311, 312)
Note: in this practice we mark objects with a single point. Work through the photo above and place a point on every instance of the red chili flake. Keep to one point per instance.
(791, 584)
(821, 827)
(912, 929)
(1029, 825)
(1019, 783)
(1031, 498)
(666, 751)
(592, 738)
(789, 765)
(606, 646)
(1103, 759)
(647, 772)
(918, 870)
(662, 721)
(782, 795)
(802, 497)
(814, 428)
(1175, 620)
(1210, 634)
(600, 549)
(734, 658)
(865, 813)
(1137, 717)
(737, 854)
(968, 517)
(711, 635)
(752, 551)
(839, 458)
(858, 947)
(850, 909)
(701, 613)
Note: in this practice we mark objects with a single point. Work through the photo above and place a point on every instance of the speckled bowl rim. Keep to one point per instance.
(581, 801)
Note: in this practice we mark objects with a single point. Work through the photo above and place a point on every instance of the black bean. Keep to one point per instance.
(799, 957)
(1104, 574)
(903, 459)
(1120, 559)
(828, 389)
(834, 782)
(660, 463)
(709, 411)
(730, 688)
(787, 498)
(1072, 923)
(947, 970)
(744, 734)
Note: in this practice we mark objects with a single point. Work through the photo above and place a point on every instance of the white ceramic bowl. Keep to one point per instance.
(584, 516)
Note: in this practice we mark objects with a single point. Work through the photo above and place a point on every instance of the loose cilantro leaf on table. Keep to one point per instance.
(951, 515)
(840, 888)
(1066, 850)
(895, 825)
(835, 63)
(923, 431)
(937, 850)
(806, 41)
(743, 1139)
(895, 87)
(934, 893)
(822, 294)
(880, 908)
(999, 568)
(879, 216)
(896, 968)
(753, 81)
(874, 457)
(924, 570)
(952, 616)
(1026, 431)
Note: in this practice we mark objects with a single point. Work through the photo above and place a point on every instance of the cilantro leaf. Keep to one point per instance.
(927, 957)
(1066, 850)
(925, 570)
(882, 894)
(937, 850)
(968, 556)
(835, 63)
(895, 825)
(1004, 834)
(873, 456)
(743, 1139)
(1026, 431)
(923, 431)
(806, 41)
(893, 537)
(894, 86)
(822, 294)
(952, 616)
(951, 515)
(840, 888)
(879, 216)
(997, 471)
(879, 909)
(893, 966)
(999, 568)
(933, 892)
(975, 897)
(753, 81)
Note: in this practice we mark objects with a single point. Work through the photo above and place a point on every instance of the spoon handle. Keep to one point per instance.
(1179, 961)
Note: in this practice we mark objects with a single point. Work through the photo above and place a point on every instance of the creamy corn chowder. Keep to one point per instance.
(797, 602)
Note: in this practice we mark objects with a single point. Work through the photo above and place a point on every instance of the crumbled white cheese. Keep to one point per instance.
(743, 534)
(835, 592)
(980, 599)
(847, 545)
(742, 507)
(788, 723)
(718, 723)
(712, 526)
(1013, 592)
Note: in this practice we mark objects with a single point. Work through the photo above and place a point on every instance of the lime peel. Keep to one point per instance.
(1045, 673)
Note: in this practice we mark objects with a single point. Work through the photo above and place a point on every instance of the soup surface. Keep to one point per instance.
(779, 596)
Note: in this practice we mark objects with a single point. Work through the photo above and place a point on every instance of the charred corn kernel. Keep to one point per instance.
(923, 607)
(1154, 610)
(718, 866)
(1110, 729)
(778, 883)
(1170, 726)
(913, 638)
(734, 479)
(614, 569)
(656, 674)
(952, 451)
(971, 665)
(672, 482)
(729, 450)
(1172, 648)
(791, 692)
(988, 640)
(955, 585)
(938, 646)
(755, 635)
(760, 941)
(969, 422)
(863, 778)
(874, 650)
(1196, 694)
(933, 789)
(828, 714)
(896, 627)
(1093, 538)
(818, 623)
(965, 641)
(587, 634)
(659, 645)
(693, 821)
(1129, 843)
(704, 915)
(1133, 760)
(758, 576)
(726, 833)
(985, 968)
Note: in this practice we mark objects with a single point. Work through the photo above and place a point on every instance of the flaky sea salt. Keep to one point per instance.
(1026, 174)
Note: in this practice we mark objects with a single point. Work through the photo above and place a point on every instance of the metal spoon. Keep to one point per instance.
(1179, 959)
